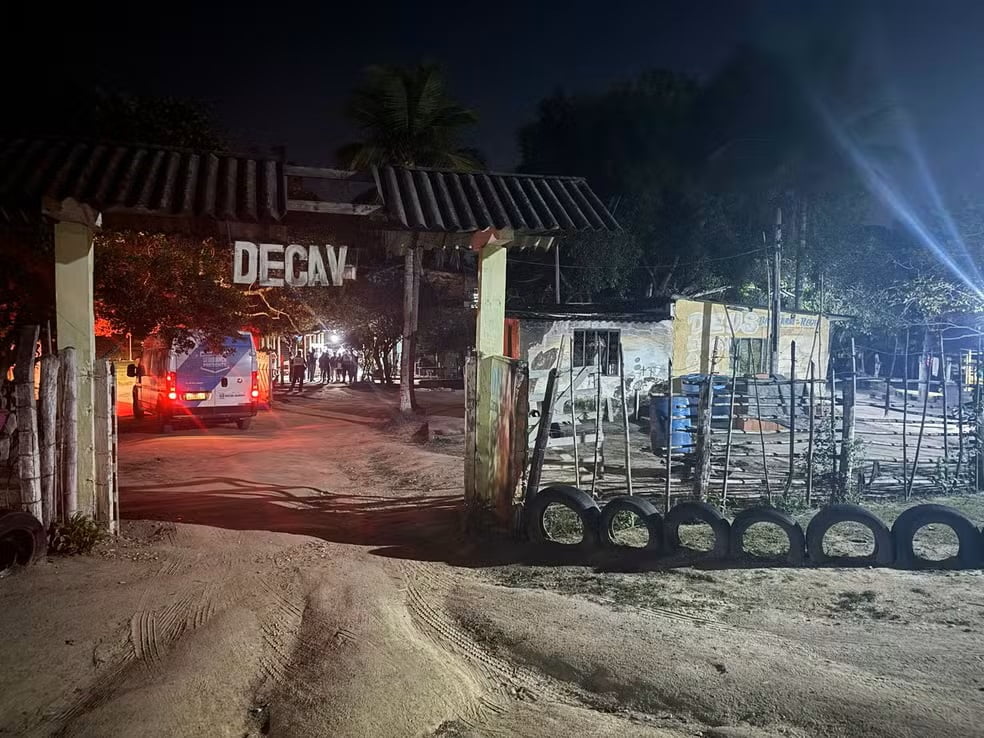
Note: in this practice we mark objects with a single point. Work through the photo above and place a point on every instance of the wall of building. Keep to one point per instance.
(646, 347)
(698, 323)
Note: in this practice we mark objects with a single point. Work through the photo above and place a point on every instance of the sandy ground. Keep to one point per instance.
(307, 578)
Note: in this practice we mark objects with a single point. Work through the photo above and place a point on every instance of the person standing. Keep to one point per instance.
(312, 362)
(348, 367)
(336, 368)
(324, 364)
(297, 369)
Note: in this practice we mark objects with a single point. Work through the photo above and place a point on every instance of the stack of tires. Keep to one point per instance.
(892, 547)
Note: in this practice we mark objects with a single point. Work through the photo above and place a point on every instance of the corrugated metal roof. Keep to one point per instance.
(142, 180)
(452, 201)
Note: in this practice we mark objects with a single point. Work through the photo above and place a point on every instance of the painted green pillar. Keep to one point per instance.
(490, 330)
(76, 328)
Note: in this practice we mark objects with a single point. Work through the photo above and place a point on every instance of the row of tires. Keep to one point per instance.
(892, 547)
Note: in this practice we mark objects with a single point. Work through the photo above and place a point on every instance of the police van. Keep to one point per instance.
(190, 381)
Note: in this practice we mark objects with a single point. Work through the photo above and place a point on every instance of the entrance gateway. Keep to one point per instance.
(66, 190)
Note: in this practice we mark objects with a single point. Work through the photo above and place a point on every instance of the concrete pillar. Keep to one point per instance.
(76, 326)
(490, 330)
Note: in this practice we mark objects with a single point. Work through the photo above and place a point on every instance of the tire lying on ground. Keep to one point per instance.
(747, 518)
(969, 555)
(884, 553)
(22, 539)
(642, 509)
(689, 512)
(571, 497)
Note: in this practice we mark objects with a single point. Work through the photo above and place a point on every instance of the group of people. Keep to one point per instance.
(338, 366)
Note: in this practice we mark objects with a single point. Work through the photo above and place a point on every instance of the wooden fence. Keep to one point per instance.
(39, 439)
(803, 440)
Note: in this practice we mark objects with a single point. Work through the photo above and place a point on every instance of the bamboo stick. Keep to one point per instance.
(833, 424)
(598, 417)
(905, 401)
(960, 415)
(669, 431)
(765, 462)
(625, 421)
(731, 423)
(48, 404)
(102, 425)
(809, 448)
(68, 447)
(943, 378)
(848, 425)
(792, 416)
(922, 424)
(28, 452)
(891, 372)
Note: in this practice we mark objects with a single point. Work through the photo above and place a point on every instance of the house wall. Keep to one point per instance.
(646, 347)
(697, 324)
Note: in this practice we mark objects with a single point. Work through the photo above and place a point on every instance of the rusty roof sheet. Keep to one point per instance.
(453, 201)
(143, 180)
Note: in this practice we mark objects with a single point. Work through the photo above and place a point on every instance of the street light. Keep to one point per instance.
(335, 338)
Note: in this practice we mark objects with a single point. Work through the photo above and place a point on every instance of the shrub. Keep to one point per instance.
(78, 535)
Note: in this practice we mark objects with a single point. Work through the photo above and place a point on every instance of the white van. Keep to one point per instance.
(183, 382)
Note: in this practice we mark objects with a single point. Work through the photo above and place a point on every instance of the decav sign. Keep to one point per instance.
(276, 265)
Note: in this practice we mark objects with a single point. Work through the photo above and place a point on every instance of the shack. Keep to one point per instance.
(699, 336)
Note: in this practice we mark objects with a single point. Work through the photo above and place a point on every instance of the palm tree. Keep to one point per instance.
(407, 118)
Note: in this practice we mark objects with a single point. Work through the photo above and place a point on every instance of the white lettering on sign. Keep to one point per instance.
(274, 265)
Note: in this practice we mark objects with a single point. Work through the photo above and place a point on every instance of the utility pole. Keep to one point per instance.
(776, 301)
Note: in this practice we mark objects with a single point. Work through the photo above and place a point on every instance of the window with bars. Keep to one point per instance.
(589, 345)
(751, 355)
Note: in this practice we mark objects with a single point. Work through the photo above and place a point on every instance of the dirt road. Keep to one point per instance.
(308, 579)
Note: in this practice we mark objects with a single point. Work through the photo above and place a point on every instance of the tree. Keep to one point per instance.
(633, 143)
(406, 117)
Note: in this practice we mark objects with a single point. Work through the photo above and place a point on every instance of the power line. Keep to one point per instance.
(643, 266)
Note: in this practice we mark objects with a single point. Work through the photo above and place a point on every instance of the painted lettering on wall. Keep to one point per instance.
(276, 265)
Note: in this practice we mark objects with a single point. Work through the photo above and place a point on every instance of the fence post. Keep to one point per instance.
(103, 425)
(669, 431)
(960, 417)
(599, 419)
(765, 460)
(625, 421)
(471, 424)
(792, 418)
(542, 436)
(946, 428)
(28, 460)
(809, 446)
(927, 359)
(68, 433)
(847, 433)
(979, 417)
(704, 405)
(48, 411)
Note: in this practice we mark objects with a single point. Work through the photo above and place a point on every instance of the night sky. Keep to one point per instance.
(278, 73)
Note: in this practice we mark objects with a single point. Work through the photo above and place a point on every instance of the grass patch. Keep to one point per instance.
(615, 590)
(766, 540)
(849, 539)
(863, 604)
(696, 536)
(628, 530)
(562, 524)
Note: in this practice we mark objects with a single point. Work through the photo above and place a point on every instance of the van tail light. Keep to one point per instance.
(172, 385)
(255, 386)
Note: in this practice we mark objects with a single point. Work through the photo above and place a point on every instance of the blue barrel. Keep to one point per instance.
(681, 436)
